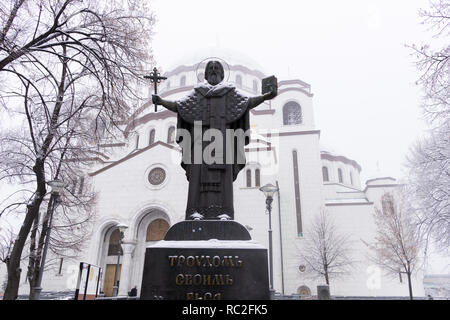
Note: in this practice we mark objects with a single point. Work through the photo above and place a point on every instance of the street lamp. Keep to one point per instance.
(122, 228)
(57, 186)
(269, 190)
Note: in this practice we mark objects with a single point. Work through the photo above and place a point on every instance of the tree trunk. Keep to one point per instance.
(10, 20)
(327, 279)
(14, 270)
(36, 268)
(33, 256)
(410, 285)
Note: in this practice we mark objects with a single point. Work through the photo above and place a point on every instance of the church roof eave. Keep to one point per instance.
(325, 155)
(132, 155)
(148, 117)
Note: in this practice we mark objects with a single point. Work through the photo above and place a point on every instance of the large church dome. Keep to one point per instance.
(230, 56)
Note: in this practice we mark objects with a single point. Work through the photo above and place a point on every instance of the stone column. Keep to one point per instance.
(127, 266)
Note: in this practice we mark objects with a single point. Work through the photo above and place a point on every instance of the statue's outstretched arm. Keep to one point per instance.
(170, 105)
(256, 101)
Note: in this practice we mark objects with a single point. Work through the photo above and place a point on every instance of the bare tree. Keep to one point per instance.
(68, 69)
(429, 158)
(7, 237)
(428, 164)
(70, 224)
(433, 61)
(397, 243)
(8, 15)
(69, 217)
(326, 251)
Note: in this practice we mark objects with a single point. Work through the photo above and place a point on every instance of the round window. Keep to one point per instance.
(156, 176)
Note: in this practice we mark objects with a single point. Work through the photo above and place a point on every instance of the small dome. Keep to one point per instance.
(333, 155)
(381, 181)
(327, 149)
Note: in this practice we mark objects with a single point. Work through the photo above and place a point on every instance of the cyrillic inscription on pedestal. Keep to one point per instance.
(205, 273)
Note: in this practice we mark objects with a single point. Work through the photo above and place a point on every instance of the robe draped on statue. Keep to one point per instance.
(218, 107)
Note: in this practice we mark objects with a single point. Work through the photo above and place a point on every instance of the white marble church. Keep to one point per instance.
(141, 184)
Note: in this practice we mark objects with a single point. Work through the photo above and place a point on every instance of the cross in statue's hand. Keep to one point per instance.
(155, 78)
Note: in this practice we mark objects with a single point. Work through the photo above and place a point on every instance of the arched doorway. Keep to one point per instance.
(157, 229)
(304, 292)
(151, 227)
(114, 249)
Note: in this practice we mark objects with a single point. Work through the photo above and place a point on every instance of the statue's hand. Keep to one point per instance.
(270, 95)
(156, 99)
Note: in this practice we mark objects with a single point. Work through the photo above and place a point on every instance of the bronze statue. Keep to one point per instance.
(214, 110)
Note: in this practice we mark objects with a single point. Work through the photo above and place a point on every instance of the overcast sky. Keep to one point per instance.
(351, 52)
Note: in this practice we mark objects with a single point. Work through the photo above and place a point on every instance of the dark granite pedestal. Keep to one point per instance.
(206, 260)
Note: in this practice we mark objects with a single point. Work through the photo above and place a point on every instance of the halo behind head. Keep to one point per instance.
(201, 68)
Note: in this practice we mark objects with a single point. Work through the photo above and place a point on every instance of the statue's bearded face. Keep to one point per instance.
(214, 73)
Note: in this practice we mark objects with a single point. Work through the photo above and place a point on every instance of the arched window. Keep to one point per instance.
(298, 207)
(80, 188)
(249, 178)
(304, 291)
(151, 137)
(325, 174)
(60, 269)
(114, 243)
(351, 178)
(171, 135)
(387, 203)
(292, 113)
(137, 141)
(341, 179)
(201, 77)
(183, 81)
(99, 127)
(257, 178)
(74, 186)
(255, 86)
(157, 230)
(238, 81)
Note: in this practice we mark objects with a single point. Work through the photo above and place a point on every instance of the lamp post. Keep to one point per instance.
(269, 190)
(56, 187)
(122, 228)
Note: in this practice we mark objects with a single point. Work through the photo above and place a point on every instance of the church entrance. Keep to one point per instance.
(151, 228)
(114, 249)
(109, 279)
